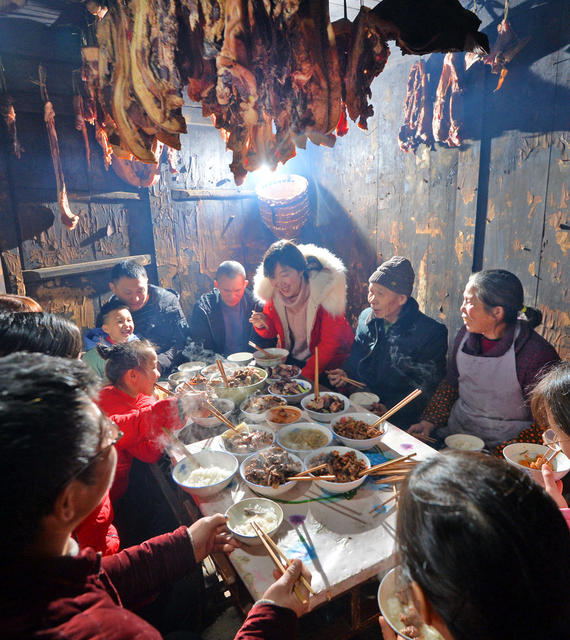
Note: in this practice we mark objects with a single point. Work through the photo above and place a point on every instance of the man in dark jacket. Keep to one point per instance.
(220, 319)
(397, 348)
(156, 312)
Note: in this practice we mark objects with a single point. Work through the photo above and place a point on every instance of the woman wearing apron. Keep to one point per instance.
(496, 358)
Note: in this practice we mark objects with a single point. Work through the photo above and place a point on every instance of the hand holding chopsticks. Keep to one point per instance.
(281, 561)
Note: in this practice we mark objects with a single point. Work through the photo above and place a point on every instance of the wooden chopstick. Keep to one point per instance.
(263, 351)
(221, 416)
(259, 531)
(317, 468)
(377, 467)
(283, 557)
(311, 478)
(391, 479)
(354, 383)
(316, 385)
(547, 459)
(382, 504)
(397, 407)
(164, 389)
(421, 436)
(222, 372)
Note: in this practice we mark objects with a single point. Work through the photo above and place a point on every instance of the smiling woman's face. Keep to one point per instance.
(287, 280)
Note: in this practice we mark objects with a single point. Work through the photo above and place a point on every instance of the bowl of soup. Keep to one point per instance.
(302, 438)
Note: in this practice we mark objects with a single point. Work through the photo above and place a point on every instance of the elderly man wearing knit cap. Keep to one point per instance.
(397, 348)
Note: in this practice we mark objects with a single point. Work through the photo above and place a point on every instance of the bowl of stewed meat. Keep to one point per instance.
(241, 383)
(292, 390)
(268, 472)
(247, 439)
(326, 407)
(356, 430)
(344, 463)
(255, 407)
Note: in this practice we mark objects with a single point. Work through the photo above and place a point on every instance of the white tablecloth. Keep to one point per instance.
(340, 541)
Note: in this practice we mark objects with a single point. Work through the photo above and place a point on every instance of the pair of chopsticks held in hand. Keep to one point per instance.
(281, 561)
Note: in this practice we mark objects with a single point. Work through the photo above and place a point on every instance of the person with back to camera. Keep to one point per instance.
(54, 439)
(303, 289)
(156, 312)
(485, 550)
(116, 325)
(220, 318)
(397, 348)
(54, 335)
(496, 358)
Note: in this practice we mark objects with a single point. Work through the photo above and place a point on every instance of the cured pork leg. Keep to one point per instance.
(417, 111)
(8, 113)
(446, 122)
(68, 218)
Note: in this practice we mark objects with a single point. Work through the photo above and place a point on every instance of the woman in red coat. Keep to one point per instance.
(304, 293)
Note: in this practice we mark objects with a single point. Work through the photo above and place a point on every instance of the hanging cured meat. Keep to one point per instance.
(138, 173)
(8, 114)
(417, 125)
(447, 114)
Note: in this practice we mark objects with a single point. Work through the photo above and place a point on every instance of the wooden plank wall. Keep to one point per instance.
(507, 185)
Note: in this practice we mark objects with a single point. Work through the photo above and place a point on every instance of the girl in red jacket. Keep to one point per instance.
(129, 402)
(304, 292)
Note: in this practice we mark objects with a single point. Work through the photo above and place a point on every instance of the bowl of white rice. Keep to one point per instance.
(216, 470)
(398, 610)
(241, 515)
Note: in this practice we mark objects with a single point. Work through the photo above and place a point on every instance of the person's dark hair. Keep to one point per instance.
(111, 305)
(230, 269)
(122, 357)
(49, 428)
(285, 253)
(128, 269)
(552, 391)
(488, 547)
(501, 288)
(39, 333)
(10, 303)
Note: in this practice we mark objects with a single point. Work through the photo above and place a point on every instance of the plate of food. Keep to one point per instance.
(303, 438)
(284, 372)
(242, 383)
(329, 405)
(529, 457)
(267, 472)
(355, 430)
(246, 440)
(216, 470)
(270, 357)
(278, 417)
(396, 605)
(292, 390)
(242, 514)
(343, 462)
(255, 407)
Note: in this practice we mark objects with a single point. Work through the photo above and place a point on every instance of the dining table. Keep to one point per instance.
(343, 539)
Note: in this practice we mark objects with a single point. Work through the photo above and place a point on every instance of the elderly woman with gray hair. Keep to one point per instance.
(496, 359)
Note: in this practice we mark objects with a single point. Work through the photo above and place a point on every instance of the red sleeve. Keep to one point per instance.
(142, 427)
(141, 571)
(334, 338)
(97, 530)
(268, 621)
(271, 315)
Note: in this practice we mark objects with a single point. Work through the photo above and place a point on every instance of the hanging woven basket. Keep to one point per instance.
(284, 205)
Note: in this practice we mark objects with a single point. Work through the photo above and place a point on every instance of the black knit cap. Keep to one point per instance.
(395, 274)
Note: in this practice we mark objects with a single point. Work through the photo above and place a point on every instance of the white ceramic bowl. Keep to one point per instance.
(207, 458)
(294, 415)
(212, 369)
(239, 394)
(364, 399)
(336, 487)
(191, 368)
(303, 428)
(514, 452)
(262, 489)
(320, 416)
(296, 372)
(362, 444)
(260, 416)
(223, 405)
(390, 585)
(236, 516)
(242, 358)
(464, 442)
(179, 376)
(292, 398)
(252, 427)
(279, 355)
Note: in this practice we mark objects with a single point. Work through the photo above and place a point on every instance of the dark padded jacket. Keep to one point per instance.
(207, 323)
(410, 355)
(163, 322)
